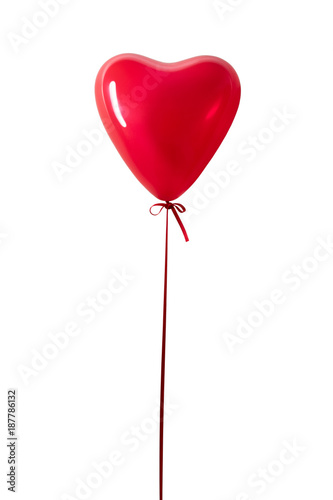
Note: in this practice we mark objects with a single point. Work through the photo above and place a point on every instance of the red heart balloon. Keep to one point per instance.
(167, 120)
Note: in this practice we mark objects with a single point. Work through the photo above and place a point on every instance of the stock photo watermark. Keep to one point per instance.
(75, 154)
(85, 313)
(247, 151)
(292, 280)
(91, 139)
(31, 27)
(266, 475)
(224, 8)
(131, 441)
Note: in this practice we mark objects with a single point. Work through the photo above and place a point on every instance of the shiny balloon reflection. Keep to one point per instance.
(115, 104)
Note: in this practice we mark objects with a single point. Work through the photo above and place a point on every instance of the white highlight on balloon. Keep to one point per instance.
(115, 104)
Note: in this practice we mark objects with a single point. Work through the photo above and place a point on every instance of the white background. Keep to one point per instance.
(60, 241)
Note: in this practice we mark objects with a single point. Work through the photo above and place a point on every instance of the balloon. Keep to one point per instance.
(167, 120)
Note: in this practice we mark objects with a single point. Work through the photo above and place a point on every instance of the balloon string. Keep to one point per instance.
(174, 207)
(163, 358)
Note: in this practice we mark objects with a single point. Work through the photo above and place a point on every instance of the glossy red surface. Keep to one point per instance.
(167, 120)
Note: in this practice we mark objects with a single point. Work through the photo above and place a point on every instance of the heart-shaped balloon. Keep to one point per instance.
(167, 120)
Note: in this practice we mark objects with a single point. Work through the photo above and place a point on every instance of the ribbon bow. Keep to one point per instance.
(174, 207)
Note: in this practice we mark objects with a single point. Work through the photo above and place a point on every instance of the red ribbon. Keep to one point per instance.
(174, 207)
(181, 209)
